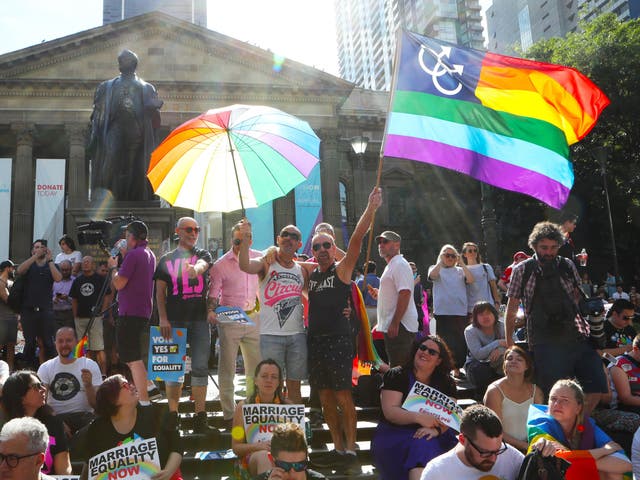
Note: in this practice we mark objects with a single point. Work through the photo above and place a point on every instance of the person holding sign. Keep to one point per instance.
(128, 438)
(414, 437)
(233, 288)
(182, 284)
(254, 457)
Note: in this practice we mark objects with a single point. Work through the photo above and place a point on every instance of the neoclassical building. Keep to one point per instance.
(46, 96)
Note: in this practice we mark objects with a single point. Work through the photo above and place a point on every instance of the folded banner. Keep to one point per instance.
(505, 121)
(232, 315)
(425, 399)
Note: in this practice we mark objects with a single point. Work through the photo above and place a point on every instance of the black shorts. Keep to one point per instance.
(8, 330)
(330, 362)
(129, 331)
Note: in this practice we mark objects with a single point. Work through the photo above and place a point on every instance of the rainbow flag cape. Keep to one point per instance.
(583, 466)
(81, 348)
(502, 120)
(366, 350)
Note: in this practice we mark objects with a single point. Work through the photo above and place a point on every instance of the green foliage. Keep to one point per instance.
(608, 52)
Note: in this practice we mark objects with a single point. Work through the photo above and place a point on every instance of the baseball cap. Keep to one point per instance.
(6, 263)
(520, 256)
(389, 235)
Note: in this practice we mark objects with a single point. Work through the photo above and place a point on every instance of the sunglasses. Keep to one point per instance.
(318, 246)
(292, 235)
(488, 453)
(191, 229)
(36, 386)
(13, 460)
(383, 241)
(295, 466)
(430, 351)
(450, 255)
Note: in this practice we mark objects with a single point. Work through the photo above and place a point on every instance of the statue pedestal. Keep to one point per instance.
(160, 221)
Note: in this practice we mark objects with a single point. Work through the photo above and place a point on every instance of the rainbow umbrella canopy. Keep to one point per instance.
(233, 158)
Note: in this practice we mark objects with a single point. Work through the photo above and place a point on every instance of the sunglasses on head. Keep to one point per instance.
(191, 229)
(318, 246)
(430, 351)
(292, 235)
(295, 466)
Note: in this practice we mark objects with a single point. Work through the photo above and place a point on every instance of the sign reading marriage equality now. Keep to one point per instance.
(425, 399)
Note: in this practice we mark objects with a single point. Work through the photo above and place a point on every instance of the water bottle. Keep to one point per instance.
(122, 243)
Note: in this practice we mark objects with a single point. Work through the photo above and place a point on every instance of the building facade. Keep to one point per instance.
(366, 33)
(623, 9)
(514, 25)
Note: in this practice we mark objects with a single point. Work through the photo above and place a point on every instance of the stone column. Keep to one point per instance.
(23, 194)
(78, 178)
(329, 169)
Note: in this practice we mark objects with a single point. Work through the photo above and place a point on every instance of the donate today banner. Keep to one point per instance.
(5, 200)
(48, 210)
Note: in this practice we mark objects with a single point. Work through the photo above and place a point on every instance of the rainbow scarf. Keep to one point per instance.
(366, 351)
(505, 121)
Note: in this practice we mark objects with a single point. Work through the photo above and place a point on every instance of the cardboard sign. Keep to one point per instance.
(136, 460)
(167, 356)
(233, 315)
(260, 419)
(425, 399)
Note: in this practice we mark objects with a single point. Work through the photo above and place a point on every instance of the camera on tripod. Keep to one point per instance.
(104, 233)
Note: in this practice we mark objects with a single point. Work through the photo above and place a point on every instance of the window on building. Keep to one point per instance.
(524, 25)
(343, 199)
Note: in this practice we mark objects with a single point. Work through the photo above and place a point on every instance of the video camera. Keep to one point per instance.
(104, 233)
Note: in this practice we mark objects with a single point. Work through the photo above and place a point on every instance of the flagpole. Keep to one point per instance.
(394, 79)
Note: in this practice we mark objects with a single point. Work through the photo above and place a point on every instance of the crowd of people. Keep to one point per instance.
(549, 389)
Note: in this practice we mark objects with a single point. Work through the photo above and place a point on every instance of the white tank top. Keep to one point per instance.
(281, 309)
(514, 415)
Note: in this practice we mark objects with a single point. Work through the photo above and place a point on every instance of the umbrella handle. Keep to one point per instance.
(235, 169)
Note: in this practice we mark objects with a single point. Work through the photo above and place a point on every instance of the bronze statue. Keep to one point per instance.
(126, 112)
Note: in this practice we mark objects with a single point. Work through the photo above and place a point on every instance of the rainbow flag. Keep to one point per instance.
(81, 348)
(366, 352)
(504, 121)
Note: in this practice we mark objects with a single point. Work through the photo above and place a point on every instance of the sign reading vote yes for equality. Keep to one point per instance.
(425, 399)
(135, 460)
(167, 355)
(260, 419)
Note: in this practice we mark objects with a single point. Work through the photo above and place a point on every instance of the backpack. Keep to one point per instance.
(537, 467)
(16, 293)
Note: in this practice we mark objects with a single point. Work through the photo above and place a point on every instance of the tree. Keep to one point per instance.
(608, 52)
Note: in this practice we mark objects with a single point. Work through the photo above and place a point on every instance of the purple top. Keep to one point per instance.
(136, 298)
(62, 288)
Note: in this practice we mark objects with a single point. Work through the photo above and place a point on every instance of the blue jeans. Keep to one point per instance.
(37, 324)
(290, 351)
(199, 339)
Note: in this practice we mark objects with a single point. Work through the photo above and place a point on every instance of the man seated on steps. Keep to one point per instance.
(289, 455)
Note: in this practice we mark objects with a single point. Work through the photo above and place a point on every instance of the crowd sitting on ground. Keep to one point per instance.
(591, 387)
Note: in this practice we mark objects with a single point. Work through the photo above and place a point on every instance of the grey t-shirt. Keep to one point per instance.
(479, 290)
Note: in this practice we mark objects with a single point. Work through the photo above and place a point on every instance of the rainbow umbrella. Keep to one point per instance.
(233, 158)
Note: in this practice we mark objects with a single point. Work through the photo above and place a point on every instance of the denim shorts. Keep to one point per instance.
(199, 340)
(290, 351)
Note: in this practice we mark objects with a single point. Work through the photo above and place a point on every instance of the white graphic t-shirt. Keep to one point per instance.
(281, 309)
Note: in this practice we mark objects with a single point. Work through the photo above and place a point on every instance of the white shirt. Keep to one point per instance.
(397, 276)
(448, 467)
(64, 381)
(449, 291)
(622, 295)
(73, 257)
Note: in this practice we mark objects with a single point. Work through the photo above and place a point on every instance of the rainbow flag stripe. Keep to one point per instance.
(505, 121)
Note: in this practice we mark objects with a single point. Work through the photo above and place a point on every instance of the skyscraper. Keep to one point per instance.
(366, 31)
(194, 11)
(624, 9)
(514, 25)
